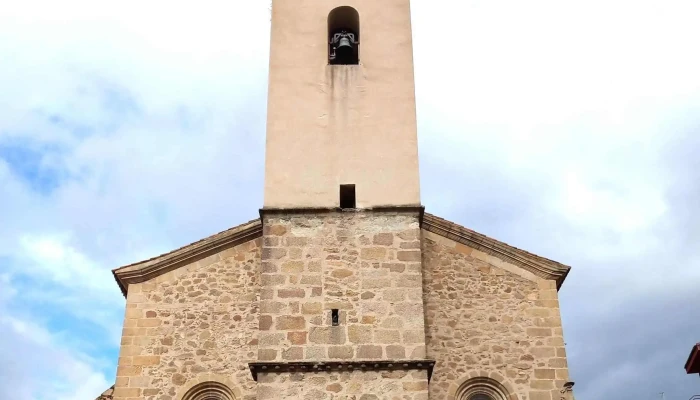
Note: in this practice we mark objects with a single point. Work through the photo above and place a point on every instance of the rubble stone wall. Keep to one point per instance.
(485, 318)
(190, 324)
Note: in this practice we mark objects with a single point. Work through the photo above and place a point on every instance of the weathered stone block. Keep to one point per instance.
(293, 267)
(291, 293)
(270, 339)
(293, 353)
(275, 230)
(296, 241)
(311, 280)
(393, 322)
(557, 363)
(149, 322)
(360, 333)
(265, 322)
(342, 352)
(327, 335)
(311, 308)
(273, 253)
(369, 352)
(409, 281)
(342, 273)
(396, 352)
(315, 353)
(394, 295)
(289, 323)
(297, 338)
(387, 336)
(539, 332)
(127, 392)
(394, 267)
(383, 239)
(415, 386)
(542, 352)
(373, 253)
(546, 373)
(267, 354)
(145, 360)
(272, 279)
(409, 255)
(335, 387)
(376, 283)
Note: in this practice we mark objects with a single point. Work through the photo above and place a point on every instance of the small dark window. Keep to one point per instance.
(335, 320)
(344, 36)
(347, 196)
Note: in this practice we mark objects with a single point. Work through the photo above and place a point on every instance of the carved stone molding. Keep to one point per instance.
(329, 366)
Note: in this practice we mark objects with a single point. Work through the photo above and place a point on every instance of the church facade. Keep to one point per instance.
(344, 288)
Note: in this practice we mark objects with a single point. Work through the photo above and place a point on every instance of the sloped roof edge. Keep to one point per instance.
(692, 365)
(149, 269)
(535, 264)
(107, 394)
(153, 267)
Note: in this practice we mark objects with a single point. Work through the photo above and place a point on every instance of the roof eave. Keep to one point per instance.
(692, 365)
(539, 266)
(149, 269)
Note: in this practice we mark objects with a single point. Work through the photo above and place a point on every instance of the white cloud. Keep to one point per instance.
(35, 367)
(554, 120)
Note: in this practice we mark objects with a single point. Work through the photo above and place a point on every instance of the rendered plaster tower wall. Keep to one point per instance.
(341, 124)
(332, 125)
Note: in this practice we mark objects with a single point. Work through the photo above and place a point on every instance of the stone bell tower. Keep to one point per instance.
(341, 309)
(343, 112)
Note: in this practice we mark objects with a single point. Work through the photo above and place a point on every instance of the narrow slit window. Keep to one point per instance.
(347, 196)
(335, 319)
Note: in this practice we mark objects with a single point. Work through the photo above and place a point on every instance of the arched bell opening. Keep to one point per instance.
(344, 36)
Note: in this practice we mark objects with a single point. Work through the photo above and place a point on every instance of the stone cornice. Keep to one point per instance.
(322, 366)
(149, 269)
(539, 266)
(312, 210)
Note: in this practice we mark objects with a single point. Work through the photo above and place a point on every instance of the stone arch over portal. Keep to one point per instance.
(481, 388)
(209, 387)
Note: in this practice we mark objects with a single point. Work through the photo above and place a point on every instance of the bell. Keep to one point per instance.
(344, 42)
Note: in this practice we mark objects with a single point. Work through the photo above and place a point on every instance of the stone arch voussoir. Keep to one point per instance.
(209, 387)
(491, 384)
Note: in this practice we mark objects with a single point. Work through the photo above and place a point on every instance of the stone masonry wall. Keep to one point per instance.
(482, 320)
(195, 321)
(356, 385)
(365, 264)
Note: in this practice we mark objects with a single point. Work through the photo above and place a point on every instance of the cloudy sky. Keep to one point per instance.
(566, 128)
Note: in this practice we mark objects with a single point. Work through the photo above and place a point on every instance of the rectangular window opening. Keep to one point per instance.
(335, 320)
(347, 196)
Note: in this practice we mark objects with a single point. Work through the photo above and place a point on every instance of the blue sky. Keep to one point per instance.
(571, 130)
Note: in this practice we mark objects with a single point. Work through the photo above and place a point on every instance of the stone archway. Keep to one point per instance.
(209, 390)
(481, 388)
